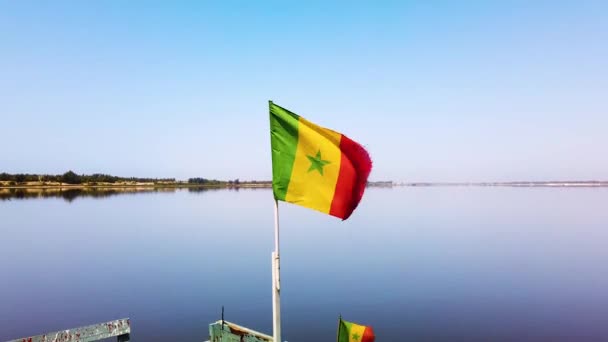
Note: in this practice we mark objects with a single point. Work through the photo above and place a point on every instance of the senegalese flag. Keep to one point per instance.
(351, 332)
(316, 167)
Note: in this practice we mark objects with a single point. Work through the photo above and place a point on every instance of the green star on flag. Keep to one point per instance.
(317, 163)
(356, 337)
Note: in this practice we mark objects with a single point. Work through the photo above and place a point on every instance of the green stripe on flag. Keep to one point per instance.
(344, 331)
(284, 142)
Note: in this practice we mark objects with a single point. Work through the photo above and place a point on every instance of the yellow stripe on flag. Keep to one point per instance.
(316, 167)
(356, 332)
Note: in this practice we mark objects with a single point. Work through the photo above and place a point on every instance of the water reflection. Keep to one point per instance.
(70, 194)
(416, 263)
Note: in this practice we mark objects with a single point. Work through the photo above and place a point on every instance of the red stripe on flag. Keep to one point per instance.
(368, 335)
(355, 166)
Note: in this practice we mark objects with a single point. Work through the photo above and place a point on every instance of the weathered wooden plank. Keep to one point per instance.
(89, 333)
(230, 332)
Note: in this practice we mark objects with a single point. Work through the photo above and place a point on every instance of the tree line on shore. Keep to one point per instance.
(236, 182)
(71, 177)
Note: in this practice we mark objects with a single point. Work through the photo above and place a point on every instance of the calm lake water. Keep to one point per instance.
(424, 264)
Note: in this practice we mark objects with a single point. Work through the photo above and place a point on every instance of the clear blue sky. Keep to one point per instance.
(437, 91)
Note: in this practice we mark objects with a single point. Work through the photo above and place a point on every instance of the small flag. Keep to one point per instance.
(351, 332)
(316, 167)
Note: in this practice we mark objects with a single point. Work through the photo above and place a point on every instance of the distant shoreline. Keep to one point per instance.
(132, 185)
(550, 184)
(267, 185)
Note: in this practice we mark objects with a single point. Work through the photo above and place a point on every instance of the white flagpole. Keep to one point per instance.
(276, 279)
